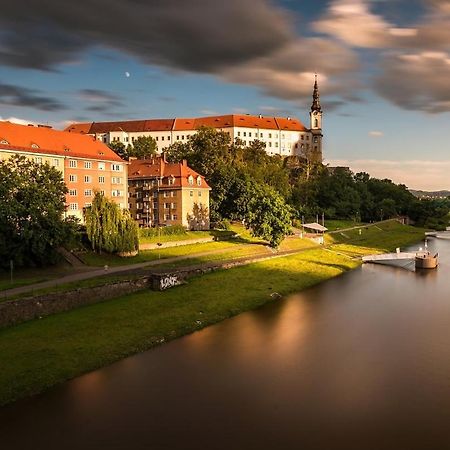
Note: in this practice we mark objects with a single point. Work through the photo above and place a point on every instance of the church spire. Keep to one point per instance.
(315, 107)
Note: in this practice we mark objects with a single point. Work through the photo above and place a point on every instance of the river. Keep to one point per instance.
(360, 362)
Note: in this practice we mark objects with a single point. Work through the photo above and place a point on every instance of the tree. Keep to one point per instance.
(118, 147)
(32, 205)
(268, 216)
(109, 228)
(143, 147)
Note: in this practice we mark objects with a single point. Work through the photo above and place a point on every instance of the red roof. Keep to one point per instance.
(185, 124)
(159, 168)
(46, 140)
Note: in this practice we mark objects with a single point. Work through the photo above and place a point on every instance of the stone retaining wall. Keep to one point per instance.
(16, 311)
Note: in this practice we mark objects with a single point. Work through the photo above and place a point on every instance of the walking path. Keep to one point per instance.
(99, 272)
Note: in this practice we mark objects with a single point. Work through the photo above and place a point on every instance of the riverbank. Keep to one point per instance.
(42, 353)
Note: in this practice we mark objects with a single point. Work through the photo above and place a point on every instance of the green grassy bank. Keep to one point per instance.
(41, 353)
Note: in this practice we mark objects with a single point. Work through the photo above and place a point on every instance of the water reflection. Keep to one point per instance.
(360, 362)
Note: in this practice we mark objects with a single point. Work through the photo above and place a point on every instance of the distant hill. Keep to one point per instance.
(430, 194)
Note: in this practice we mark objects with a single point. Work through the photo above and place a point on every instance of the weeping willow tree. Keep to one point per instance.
(109, 228)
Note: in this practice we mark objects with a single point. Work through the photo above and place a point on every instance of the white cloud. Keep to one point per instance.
(416, 174)
(18, 121)
(352, 22)
(376, 133)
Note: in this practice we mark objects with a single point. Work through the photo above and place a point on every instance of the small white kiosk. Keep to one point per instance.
(314, 231)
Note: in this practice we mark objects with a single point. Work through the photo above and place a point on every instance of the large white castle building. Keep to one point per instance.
(284, 136)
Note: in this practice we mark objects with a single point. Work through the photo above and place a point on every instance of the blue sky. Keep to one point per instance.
(383, 70)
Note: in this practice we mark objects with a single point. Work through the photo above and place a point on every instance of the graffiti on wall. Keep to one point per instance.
(168, 282)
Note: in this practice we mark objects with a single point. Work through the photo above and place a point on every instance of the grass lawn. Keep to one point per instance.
(41, 353)
(333, 225)
(188, 235)
(95, 259)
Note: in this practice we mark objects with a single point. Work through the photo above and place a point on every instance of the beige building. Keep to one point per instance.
(162, 193)
(283, 136)
(85, 163)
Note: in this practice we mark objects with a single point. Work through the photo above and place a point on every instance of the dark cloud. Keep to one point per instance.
(11, 95)
(99, 101)
(416, 81)
(201, 35)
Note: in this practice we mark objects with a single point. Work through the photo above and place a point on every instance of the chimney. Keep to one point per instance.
(163, 156)
(185, 162)
(44, 126)
(260, 116)
(288, 118)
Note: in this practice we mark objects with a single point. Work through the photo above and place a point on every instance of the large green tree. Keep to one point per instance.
(143, 147)
(110, 228)
(32, 205)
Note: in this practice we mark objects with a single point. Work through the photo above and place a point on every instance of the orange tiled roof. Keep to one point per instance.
(185, 124)
(158, 167)
(54, 142)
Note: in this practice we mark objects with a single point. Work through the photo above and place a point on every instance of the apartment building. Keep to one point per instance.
(162, 193)
(85, 163)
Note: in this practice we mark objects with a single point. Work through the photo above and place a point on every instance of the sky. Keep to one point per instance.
(383, 69)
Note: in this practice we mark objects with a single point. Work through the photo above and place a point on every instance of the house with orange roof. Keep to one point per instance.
(163, 193)
(283, 136)
(85, 163)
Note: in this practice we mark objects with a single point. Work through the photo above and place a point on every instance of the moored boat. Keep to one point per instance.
(425, 260)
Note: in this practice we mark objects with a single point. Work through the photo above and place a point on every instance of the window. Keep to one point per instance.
(165, 194)
(73, 164)
(239, 133)
(87, 179)
(166, 216)
(102, 192)
(155, 193)
(171, 180)
(178, 137)
(307, 137)
(87, 165)
(168, 138)
(72, 192)
(191, 179)
(261, 135)
(55, 162)
(316, 139)
(162, 138)
(303, 137)
(270, 144)
(199, 181)
(182, 137)
(173, 205)
(276, 144)
(101, 180)
(117, 193)
(191, 193)
(73, 206)
(38, 159)
(101, 166)
(173, 193)
(250, 134)
(245, 133)
(87, 205)
(4, 142)
(116, 180)
(88, 192)
(199, 193)
(174, 217)
(155, 205)
(73, 178)
(270, 135)
(157, 138)
(116, 167)
(167, 205)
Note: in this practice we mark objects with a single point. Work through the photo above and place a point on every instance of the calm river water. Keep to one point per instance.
(360, 362)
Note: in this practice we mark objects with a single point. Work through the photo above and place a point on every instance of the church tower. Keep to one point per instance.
(316, 123)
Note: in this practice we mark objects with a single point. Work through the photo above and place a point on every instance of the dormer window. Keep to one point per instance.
(4, 142)
(199, 181)
(191, 179)
(171, 180)
(33, 145)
